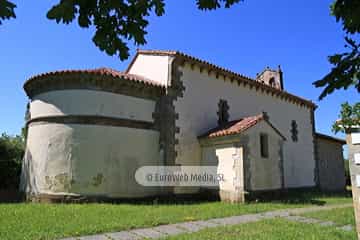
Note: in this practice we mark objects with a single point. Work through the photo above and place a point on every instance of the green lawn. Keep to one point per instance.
(276, 229)
(50, 221)
(341, 216)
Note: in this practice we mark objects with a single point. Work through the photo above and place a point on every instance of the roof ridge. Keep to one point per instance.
(234, 127)
(238, 126)
(180, 53)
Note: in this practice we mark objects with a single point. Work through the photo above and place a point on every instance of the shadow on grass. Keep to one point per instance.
(291, 196)
(297, 196)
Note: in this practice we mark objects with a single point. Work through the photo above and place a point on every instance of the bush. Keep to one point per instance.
(12, 150)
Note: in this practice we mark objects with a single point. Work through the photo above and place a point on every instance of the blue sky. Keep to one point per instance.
(299, 35)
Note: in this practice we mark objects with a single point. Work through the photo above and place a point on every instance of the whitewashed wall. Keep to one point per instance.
(156, 68)
(221, 156)
(265, 172)
(197, 113)
(331, 165)
(89, 159)
(89, 102)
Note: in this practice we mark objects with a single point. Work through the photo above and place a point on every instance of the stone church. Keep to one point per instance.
(90, 130)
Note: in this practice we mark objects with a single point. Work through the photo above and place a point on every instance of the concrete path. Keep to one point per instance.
(194, 226)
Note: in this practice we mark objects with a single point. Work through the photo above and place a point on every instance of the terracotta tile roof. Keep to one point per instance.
(98, 71)
(225, 72)
(237, 126)
(330, 138)
(187, 57)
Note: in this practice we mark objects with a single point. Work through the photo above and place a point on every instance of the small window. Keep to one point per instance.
(223, 112)
(272, 82)
(294, 131)
(264, 145)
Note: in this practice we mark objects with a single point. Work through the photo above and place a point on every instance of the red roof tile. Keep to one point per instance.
(99, 71)
(330, 138)
(233, 75)
(234, 127)
(237, 126)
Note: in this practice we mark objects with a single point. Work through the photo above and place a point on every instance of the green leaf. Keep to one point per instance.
(7, 10)
(345, 71)
(215, 4)
(348, 13)
(63, 12)
(118, 22)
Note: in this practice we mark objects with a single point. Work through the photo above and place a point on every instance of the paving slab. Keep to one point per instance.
(346, 228)
(171, 229)
(194, 226)
(207, 224)
(238, 219)
(93, 237)
(327, 224)
(147, 233)
(190, 226)
(124, 235)
(272, 214)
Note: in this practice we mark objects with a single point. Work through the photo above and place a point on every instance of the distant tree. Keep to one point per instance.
(11, 153)
(12, 150)
(349, 117)
(116, 21)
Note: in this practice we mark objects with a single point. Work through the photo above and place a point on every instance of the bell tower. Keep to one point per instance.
(273, 78)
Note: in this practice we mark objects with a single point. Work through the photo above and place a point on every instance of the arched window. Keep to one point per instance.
(223, 112)
(294, 131)
(272, 82)
(264, 145)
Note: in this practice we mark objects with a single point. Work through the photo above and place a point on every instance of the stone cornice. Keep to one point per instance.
(92, 120)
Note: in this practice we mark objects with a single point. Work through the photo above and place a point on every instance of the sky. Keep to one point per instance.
(298, 35)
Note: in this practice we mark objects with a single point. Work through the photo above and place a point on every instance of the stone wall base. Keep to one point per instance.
(232, 196)
(203, 195)
(55, 198)
(168, 198)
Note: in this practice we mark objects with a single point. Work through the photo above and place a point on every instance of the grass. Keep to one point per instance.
(50, 221)
(276, 229)
(340, 216)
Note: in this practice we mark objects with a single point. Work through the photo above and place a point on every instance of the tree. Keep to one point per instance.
(349, 117)
(116, 21)
(120, 21)
(346, 66)
(12, 150)
(7, 10)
